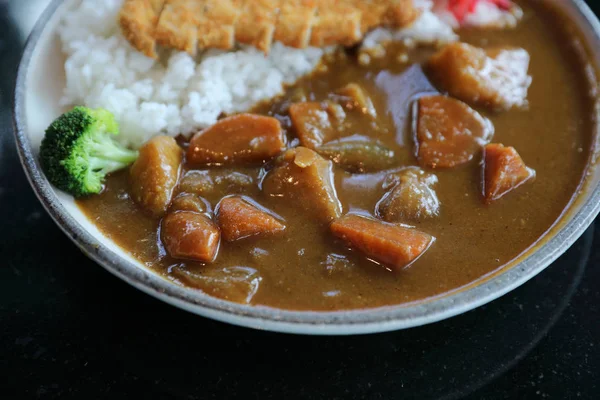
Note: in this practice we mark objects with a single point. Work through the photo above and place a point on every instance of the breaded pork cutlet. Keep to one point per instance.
(138, 20)
(295, 22)
(178, 25)
(375, 13)
(217, 27)
(256, 25)
(400, 13)
(189, 25)
(337, 22)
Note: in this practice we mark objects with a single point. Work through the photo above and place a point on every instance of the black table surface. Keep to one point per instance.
(70, 330)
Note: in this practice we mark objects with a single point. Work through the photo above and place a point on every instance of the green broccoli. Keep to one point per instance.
(78, 151)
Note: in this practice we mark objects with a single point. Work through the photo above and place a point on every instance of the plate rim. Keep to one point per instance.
(266, 318)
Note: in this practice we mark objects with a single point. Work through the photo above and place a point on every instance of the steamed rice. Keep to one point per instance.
(180, 95)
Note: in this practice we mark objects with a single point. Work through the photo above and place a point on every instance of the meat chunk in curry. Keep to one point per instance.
(449, 132)
(155, 173)
(239, 139)
(312, 124)
(355, 98)
(393, 245)
(191, 236)
(238, 284)
(410, 197)
(503, 171)
(238, 218)
(190, 202)
(304, 178)
(495, 78)
(212, 183)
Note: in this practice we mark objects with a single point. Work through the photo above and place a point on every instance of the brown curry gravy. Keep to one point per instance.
(553, 136)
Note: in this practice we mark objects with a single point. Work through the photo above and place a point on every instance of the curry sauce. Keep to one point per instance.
(305, 267)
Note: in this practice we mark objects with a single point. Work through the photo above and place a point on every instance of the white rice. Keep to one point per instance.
(429, 28)
(184, 95)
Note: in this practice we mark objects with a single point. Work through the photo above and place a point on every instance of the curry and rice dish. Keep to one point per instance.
(324, 155)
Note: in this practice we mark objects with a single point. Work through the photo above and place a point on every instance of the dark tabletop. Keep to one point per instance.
(70, 330)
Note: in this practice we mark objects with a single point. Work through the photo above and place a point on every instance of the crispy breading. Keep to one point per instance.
(256, 25)
(336, 23)
(138, 20)
(187, 25)
(178, 25)
(372, 12)
(397, 13)
(217, 25)
(294, 25)
(401, 13)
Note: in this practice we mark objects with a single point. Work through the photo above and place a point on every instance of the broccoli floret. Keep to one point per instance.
(78, 151)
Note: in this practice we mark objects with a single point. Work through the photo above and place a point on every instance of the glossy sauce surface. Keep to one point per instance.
(307, 269)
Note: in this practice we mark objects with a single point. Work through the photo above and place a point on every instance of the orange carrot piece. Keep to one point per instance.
(503, 171)
(239, 139)
(239, 219)
(393, 245)
(191, 236)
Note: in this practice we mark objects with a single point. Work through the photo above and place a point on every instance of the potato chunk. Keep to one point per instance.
(393, 245)
(191, 236)
(238, 218)
(239, 139)
(497, 78)
(410, 197)
(305, 179)
(449, 132)
(503, 171)
(155, 173)
(311, 123)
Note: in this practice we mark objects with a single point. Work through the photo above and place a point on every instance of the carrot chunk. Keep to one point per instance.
(449, 132)
(503, 171)
(238, 218)
(189, 235)
(239, 139)
(311, 123)
(393, 245)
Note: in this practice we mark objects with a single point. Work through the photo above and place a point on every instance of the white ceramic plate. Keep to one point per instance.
(39, 87)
